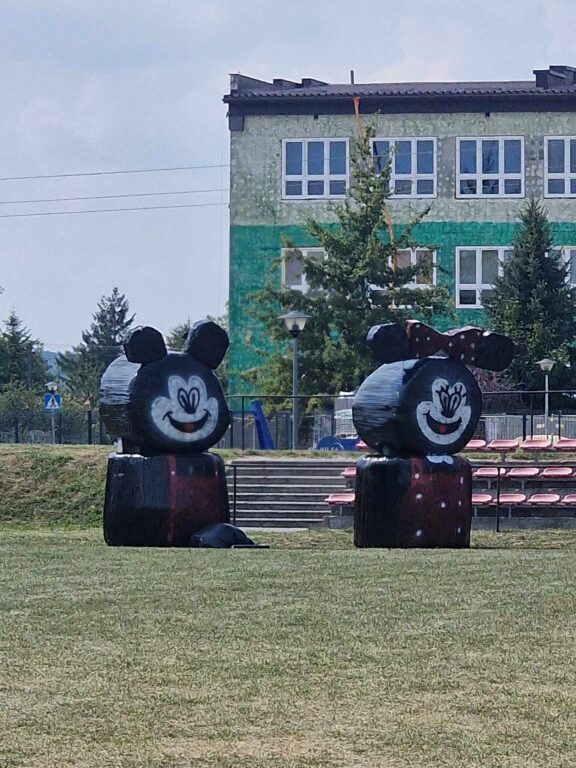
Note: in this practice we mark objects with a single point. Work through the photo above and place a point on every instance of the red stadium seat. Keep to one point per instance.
(503, 446)
(482, 499)
(536, 444)
(544, 498)
(489, 473)
(475, 445)
(512, 499)
(340, 499)
(564, 444)
(557, 473)
(523, 473)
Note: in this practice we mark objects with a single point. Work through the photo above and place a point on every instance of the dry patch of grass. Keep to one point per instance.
(307, 654)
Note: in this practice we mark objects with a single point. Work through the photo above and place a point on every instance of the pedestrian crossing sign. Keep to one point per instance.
(52, 402)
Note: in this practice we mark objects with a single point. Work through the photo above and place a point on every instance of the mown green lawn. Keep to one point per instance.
(310, 653)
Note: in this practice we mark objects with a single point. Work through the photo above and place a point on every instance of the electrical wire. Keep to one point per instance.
(111, 173)
(106, 210)
(111, 197)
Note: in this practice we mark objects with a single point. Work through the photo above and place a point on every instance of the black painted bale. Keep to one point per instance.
(413, 502)
(418, 407)
(161, 501)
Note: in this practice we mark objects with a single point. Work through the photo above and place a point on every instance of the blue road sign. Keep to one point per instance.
(52, 403)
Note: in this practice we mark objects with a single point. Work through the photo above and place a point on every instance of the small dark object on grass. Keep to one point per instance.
(221, 536)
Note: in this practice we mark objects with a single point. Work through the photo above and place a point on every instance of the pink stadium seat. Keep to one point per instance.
(511, 499)
(475, 445)
(482, 499)
(557, 473)
(544, 498)
(570, 499)
(340, 499)
(361, 446)
(523, 473)
(488, 473)
(564, 444)
(503, 445)
(536, 444)
(349, 473)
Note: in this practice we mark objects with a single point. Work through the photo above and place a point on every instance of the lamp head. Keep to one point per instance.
(546, 364)
(295, 322)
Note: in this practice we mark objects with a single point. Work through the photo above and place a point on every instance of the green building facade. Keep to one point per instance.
(473, 152)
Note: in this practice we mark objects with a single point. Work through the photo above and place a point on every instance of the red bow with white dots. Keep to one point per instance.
(459, 344)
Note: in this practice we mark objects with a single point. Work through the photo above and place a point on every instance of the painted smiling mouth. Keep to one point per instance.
(187, 426)
(443, 429)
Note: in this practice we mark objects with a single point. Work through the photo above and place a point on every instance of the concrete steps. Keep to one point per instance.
(283, 493)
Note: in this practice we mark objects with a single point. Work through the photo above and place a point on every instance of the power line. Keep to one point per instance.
(106, 210)
(111, 197)
(112, 173)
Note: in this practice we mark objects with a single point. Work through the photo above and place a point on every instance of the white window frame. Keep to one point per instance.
(414, 262)
(566, 176)
(500, 177)
(477, 286)
(304, 287)
(304, 177)
(414, 176)
(566, 257)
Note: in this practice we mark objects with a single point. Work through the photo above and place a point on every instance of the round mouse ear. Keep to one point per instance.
(207, 342)
(495, 351)
(389, 343)
(144, 345)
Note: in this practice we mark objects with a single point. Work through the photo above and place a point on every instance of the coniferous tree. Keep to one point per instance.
(360, 283)
(21, 361)
(533, 303)
(83, 367)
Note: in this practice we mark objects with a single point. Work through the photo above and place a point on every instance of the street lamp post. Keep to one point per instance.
(546, 366)
(295, 322)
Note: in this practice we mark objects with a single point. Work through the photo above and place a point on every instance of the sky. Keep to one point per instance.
(95, 86)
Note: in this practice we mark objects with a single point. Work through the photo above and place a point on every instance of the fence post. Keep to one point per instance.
(101, 431)
(89, 415)
(59, 441)
(16, 430)
(243, 442)
(559, 424)
(531, 415)
(523, 425)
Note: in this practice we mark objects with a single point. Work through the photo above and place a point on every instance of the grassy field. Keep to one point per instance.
(307, 654)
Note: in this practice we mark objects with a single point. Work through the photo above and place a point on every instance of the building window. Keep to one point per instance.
(490, 167)
(413, 165)
(293, 276)
(476, 273)
(560, 166)
(314, 168)
(418, 257)
(569, 257)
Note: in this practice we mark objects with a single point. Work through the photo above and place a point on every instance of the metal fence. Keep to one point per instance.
(505, 415)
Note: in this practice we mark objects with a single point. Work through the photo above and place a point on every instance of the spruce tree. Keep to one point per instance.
(533, 303)
(21, 361)
(83, 367)
(361, 282)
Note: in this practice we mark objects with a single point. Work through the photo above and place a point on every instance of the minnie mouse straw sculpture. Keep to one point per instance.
(417, 410)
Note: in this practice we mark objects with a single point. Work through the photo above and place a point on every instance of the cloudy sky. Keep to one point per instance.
(93, 86)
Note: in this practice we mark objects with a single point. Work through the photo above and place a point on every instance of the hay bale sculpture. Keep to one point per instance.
(417, 410)
(167, 408)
